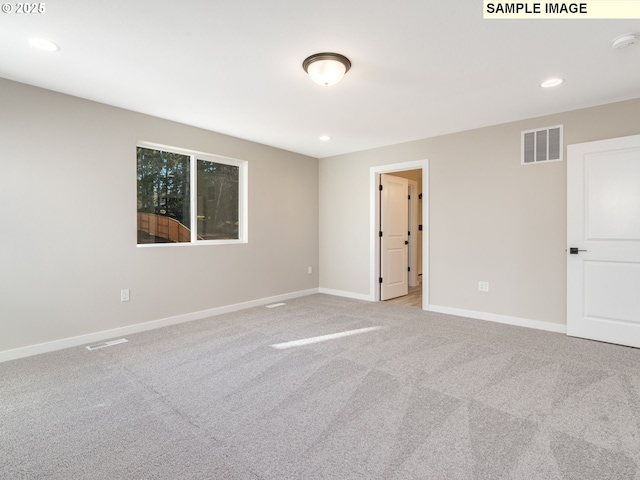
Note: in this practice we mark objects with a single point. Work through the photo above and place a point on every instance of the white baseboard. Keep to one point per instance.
(342, 293)
(89, 338)
(492, 317)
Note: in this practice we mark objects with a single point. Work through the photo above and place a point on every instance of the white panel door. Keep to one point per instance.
(394, 225)
(603, 234)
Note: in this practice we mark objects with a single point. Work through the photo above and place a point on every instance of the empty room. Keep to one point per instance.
(349, 240)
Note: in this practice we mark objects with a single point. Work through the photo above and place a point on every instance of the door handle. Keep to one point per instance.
(406, 242)
(575, 250)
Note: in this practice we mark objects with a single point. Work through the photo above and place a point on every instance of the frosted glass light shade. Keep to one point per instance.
(326, 68)
(326, 72)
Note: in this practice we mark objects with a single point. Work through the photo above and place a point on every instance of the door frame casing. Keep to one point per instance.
(374, 221)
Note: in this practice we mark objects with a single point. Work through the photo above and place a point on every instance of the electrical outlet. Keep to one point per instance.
(483, 286)
(124, 295)
(309, 270)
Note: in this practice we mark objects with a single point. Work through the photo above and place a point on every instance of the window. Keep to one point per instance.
(190, 197)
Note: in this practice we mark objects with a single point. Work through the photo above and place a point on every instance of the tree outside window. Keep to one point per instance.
(180, 189)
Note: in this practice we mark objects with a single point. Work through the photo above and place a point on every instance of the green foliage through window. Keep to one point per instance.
(217, 200)
(167, 207)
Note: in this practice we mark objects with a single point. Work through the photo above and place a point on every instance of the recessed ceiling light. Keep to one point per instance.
(324, 138)
(44, 44)
(624, 40)
(552, 82)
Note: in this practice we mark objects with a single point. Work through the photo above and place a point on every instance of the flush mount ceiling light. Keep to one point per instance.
(552, 82)
(624, 40)
(326, 68)
(44, 44)
(324, 138)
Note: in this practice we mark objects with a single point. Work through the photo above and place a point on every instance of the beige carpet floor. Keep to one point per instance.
(426, 396)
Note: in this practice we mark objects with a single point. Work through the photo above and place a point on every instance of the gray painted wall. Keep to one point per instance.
(68, 229)
(491, 219)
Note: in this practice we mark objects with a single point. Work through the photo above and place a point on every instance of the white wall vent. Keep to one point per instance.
(274, 305)
(542, 145)
(95, 346)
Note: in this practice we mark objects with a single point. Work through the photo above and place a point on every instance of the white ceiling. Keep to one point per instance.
(420, 67)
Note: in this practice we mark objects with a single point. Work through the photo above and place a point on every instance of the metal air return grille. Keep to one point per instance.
(95, 346)
(542, 145)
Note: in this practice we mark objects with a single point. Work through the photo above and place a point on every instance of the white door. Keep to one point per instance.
(603, 234)
(394, 240)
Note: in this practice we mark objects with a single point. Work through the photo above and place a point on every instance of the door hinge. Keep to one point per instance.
(380, 187)
(380, 233)
(420, 227)
(380, 280)
(409, 233)
(409, 197)
(420, 197)
(408, 269)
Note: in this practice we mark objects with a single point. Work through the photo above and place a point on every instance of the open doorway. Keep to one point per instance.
(415, 270)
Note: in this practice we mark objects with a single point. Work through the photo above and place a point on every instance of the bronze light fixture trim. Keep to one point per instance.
(326, 68)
